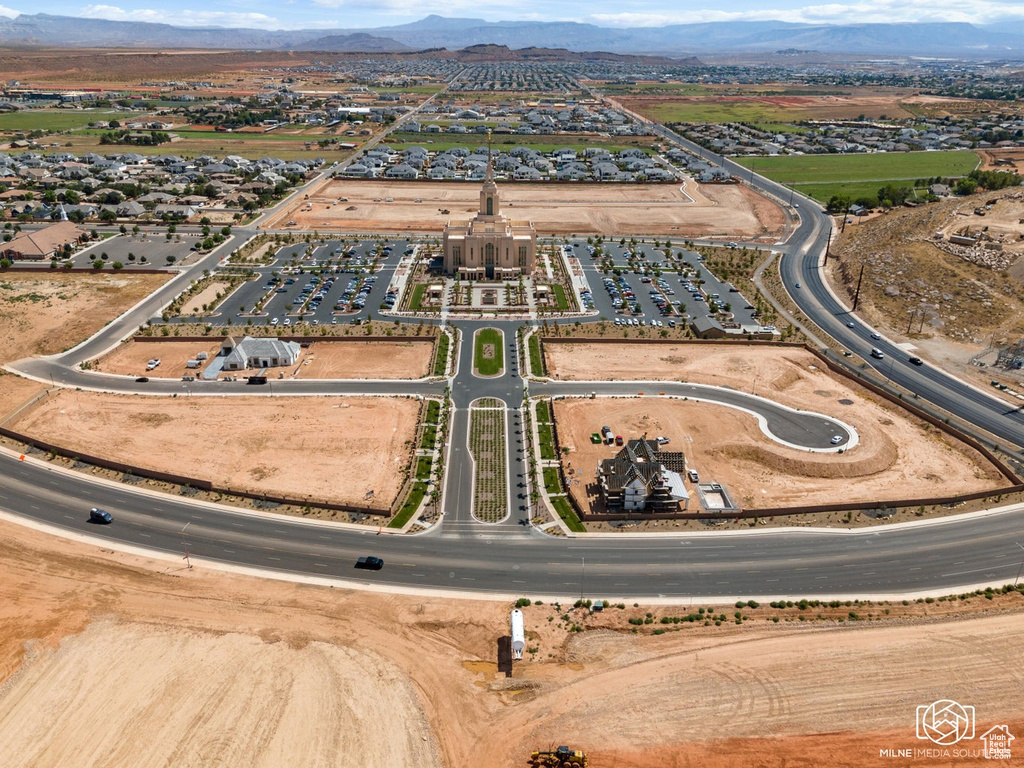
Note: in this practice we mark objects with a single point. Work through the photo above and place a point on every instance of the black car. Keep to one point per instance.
(917, 360)
(370, 563)
(142, 379)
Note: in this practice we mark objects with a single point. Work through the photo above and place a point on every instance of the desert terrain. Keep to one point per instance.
(953, 305)
(45, 313)
(897, 456)
(247, 443)
(608, 209)
(199, 667)
(321, 360)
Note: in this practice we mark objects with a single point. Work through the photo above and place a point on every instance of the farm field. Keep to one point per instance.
(822, 176)
(779, 103)
(262, 452)
(60, 119)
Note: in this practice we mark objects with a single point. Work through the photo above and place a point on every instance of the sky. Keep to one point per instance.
(352, 14)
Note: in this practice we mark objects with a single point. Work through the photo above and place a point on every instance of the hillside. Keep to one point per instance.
(953, 302)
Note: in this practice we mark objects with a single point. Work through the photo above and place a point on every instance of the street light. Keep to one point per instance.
(583, 575)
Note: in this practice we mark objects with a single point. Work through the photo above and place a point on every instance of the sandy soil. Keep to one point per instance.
(130, 359)
(208, 294)
(895, 459)
(41, 314)
(202, 668)
(897, 456)
(258, 452)
(321, 360)
(554, 208)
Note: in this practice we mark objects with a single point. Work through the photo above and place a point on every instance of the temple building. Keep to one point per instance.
(490, 247)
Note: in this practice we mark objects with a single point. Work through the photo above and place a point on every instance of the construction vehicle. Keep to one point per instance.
(556, 758)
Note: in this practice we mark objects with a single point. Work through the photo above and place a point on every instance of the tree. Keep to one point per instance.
(97, 264)
(107, 215)
(117, 265)
(839, 204)
(6, 263)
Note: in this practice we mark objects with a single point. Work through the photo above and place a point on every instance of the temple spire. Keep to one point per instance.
(490, 159)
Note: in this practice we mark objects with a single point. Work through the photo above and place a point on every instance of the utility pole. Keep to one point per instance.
(856, 296)
(828, 245)
(583, 576)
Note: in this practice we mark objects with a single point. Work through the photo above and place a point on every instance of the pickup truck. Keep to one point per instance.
(370, 563)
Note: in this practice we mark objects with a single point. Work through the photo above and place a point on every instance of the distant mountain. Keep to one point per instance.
(925, 39)
(358, 41)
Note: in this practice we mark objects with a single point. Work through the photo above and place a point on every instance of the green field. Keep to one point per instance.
(412, 503)
(60, 119)
(822, 176)
(488, 366)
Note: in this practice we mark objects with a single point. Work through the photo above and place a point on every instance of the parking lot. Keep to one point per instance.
(638, 295)
(323, 283)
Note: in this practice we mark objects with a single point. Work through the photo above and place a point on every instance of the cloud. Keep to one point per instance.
(861, 12)
(10, 13)
(183, 17)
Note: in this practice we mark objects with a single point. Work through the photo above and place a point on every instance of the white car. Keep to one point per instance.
(836, 439)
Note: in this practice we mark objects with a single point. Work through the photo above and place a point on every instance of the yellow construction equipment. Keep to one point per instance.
(556, 758)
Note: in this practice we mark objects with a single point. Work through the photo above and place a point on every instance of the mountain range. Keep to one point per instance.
(941, 39)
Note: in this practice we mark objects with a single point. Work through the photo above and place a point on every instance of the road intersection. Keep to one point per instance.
(513, 557)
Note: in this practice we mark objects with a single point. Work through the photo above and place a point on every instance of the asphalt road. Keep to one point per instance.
(793, 564)
(511, 558)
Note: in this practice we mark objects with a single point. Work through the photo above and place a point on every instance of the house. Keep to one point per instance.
(43, 243)
(257, 353)
(643, 478)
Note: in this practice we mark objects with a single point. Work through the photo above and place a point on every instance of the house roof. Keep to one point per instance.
(43, 242)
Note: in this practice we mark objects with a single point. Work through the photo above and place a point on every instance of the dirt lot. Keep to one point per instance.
(249, 443)
(287, 674)
(41, 314)
(897, 456)
(321, 360)
(609, 209)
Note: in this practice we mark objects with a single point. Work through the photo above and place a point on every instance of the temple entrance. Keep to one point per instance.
(489, 259)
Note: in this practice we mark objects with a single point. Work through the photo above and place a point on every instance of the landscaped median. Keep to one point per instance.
(432, 428)
(487, 444)
(488, 352)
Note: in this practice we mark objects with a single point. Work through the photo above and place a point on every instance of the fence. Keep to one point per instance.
(183, 480)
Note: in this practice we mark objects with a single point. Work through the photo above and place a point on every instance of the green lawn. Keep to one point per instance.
(536, 359)
(561, 302)
(429, 437)
(412, 503)
(551, 482)
(60, 119)
(488, 366)
(543, 411)
(565, 511)
(433, 412)
(423, 465)
(441, 356)
(876, 168)
(547, 441)
(416, 300)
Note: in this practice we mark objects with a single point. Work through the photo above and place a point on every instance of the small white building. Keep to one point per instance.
(258, 353)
